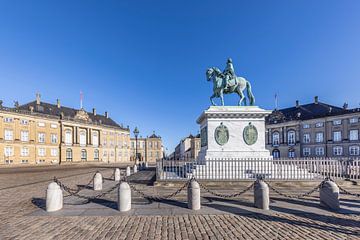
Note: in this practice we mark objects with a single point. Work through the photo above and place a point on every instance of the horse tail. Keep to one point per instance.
(249, 93)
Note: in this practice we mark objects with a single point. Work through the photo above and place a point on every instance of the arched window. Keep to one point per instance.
(82, 138)
(276, 153)
(96, 155)
(68, 137)
(69, 154)
(95, 139)
(291, 137)
(83, 155)
(275, 139)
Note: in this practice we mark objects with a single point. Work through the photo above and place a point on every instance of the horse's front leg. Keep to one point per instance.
(212, 101)
(222, 98)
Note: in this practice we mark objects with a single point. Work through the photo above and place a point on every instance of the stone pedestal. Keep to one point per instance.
(233, 132)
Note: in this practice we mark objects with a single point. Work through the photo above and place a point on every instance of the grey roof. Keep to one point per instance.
(53, 110)
(306, 112)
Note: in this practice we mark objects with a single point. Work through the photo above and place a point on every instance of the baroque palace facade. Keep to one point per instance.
(43, 133)
(149, 149)
(315, 130)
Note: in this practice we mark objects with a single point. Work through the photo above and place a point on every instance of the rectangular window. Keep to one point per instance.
(8, 120)
(306, 152)
(54, 152)
(337, 136)
(68, 137)
(24, 136)
(8, 151)
(53, 138)
(337, 151)
(306, 125)
(337, 122)
(24, 122)
(95, 139)
(8, 135)
(319, 151)
(41, 137)
(41, 124)
(24, 152)
(354, 150)
(291, 137)
(319, 124)
(306, 138)
(291, 154)
(354, 120)
(354, 135)
(319, 137)
(53, 125)
(41, 152)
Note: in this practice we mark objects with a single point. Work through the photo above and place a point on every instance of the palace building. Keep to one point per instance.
(313, 130)
(44, 133)
(148, 149)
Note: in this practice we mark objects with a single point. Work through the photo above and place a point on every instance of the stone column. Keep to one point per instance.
(117, 174)
(128, 171)
(54, 197)
(97, 181)
(124, 197)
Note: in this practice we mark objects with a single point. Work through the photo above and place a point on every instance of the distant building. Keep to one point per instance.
(43, 133)
(313, 130)
(188, 148)
(149, 149)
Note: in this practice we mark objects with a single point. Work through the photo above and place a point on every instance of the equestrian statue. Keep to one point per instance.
(227, 82)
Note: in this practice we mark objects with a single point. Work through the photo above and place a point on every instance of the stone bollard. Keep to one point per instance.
(128, 171)
(135, 168)
(194, 195)
(146, 165)
(54, 197)
(97, 181)
(124, 197)
(329, 195)
(117, 174)
(261, 195)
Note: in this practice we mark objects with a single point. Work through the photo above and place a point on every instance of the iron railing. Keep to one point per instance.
(252, 168)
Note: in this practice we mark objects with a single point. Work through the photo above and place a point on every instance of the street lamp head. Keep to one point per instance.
(136, 132)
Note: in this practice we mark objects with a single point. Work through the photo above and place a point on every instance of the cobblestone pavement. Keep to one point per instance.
(17, 219)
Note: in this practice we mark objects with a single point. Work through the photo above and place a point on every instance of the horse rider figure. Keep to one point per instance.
(229, 73)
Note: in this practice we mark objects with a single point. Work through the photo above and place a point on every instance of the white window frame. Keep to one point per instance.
(54, 152)
(319, 151)
(24, 136)
(68, 137)
(8, 119)
(306, 138)
(53, 125)
(354, 135)
(306, 125)
(24, 122)
(41, 137)
(353, 120)
(82, 138)
(41, 152)
(53, 138)
(291, 140)
(8, 151)
(337, 136)
(291, 153)
(337, 122)
(24, 152)
(319, 124)
(8, 135)
(354, 150)
(95, 139)
(41, 124)
(319, 139)
(306, 151)
(337, 151)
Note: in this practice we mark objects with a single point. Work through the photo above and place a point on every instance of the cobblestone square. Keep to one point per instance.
(22, 215)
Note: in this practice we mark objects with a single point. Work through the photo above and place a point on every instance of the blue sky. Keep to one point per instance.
(145, 61)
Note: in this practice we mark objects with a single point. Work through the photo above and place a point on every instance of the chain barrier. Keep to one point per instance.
(344, 191)
(296, 196)
(226, 195)
(157, 197)
(73, 191)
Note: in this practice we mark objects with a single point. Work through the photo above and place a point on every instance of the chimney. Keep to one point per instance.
(297, 103)
(106, 115)
(94, 111)
(346, 105)
(58, 103)
(38, 96)
(316, 99)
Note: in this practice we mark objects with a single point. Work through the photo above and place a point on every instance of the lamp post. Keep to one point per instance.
(136, 134)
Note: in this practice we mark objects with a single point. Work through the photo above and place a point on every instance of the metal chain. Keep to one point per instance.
(72, 191)
(88, 198)
(296, 196)
(157, 197)
(226, 195)
(344, 191)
